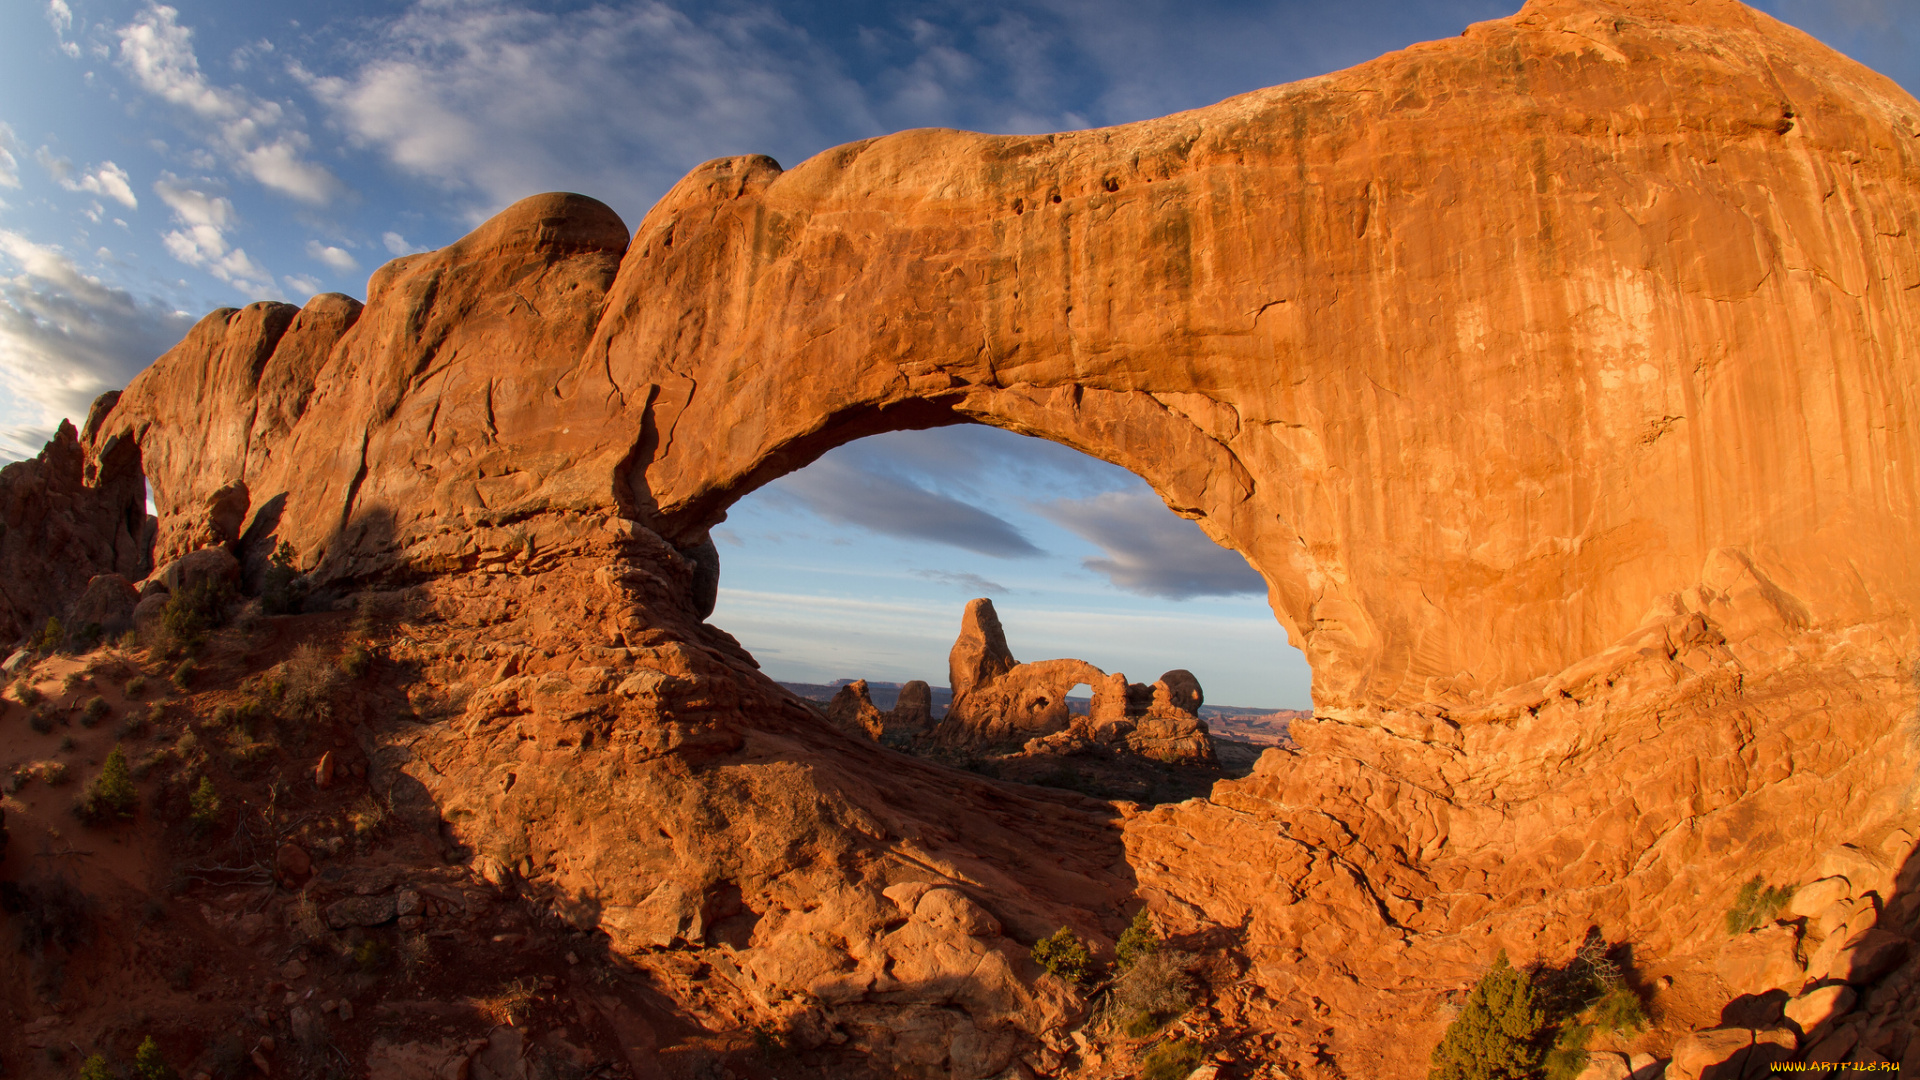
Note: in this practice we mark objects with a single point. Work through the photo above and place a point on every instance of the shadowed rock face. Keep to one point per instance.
(1555, 377)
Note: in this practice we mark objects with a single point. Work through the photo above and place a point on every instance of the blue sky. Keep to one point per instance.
(157, 161)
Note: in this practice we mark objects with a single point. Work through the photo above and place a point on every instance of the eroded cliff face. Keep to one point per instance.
(1556, 377)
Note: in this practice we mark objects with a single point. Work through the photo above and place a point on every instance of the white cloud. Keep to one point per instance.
(65, 337)
(398, 245)
(201, 241)
(498, 101)
(259, 137)
(105, 179)
(337, 259)
(61, 17)
(10, 165)
(302, 286)
(1150, 551)
(57, 167)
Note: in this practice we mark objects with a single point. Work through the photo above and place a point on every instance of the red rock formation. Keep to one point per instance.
(1553, 376)
(59, 531)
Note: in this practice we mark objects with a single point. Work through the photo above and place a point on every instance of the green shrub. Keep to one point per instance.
(148, 1064)
(26, 693)
(50, 637)
(1756, 903)
(137, 686)
(96, 1068)
(1136, 941)
(183, 675)
(205, 804)
(282, 589)
(1171, 1060)
(1568, 1058)
(95, 710)
(371, 956)
(1499, 1032)
(88, 636)
(191, 613)
(41, 720)
(112, 793)
(1064, 955)
(1620, 1011)
(355, 662)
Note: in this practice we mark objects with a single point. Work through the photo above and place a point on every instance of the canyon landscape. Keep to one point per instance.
(1557, 378)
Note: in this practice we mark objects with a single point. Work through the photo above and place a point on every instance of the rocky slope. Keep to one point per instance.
(1554, 376)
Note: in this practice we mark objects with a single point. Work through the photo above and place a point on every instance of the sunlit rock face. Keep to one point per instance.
(1557, 378)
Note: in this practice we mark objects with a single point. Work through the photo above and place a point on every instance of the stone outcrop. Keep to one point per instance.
(65, 522)
(1000, 702)
(1554, 377)
(853, 709)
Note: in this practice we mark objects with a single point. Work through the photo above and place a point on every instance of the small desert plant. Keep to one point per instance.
(1568, 1057)
(53, 773)
(191, 613)
(1756, 903)
(511, 1005)
(51, 636)
(87, 636)
(308, 682)
(26, 693)
(1620, 1011)
(204, 804)
(149, 1064)
(1064, 955)
(371, 955)
(1136, 941)
(137, 686)
(72, 681)
(1173, 1060)
(355, 661)
(96, 1068)
(41, 721)
(1155, 989)
(95, 710)
(111, 794)
(66, 743)
(183, 675)
(1499, 1032)
(367, 817)
(282, 589)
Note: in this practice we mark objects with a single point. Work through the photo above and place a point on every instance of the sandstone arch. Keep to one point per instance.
(1556, 377)
(1475, 351)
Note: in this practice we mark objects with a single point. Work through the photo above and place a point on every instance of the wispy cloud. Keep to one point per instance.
(397, 245)
(339, 260)
(201, 240)
(973, 583)
(260, 138)
(105, 179)
(9, 165)
(497, 101)
(839, 490)
(61, 18)
(65, 337)
(1151, 552)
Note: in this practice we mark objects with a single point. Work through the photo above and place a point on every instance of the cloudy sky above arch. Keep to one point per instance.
(157, 161)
